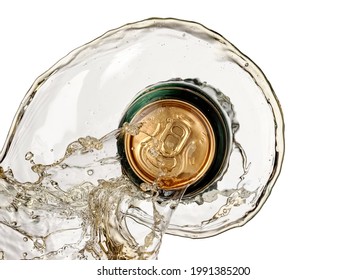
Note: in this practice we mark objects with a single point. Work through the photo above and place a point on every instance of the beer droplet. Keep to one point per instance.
(29, 156)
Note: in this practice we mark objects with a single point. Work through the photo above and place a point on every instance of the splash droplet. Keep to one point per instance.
(29, 156)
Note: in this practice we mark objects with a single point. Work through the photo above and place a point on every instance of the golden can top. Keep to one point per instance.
(174, 147)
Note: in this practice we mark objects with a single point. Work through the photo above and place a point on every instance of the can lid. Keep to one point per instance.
(184, 141)
(175, 145)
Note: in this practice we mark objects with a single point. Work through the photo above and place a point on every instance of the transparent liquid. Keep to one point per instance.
(62, 193)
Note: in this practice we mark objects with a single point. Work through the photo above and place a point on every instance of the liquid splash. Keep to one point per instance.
(59, 217)
(80, 206)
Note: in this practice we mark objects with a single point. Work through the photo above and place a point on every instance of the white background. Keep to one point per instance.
(300, 45)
